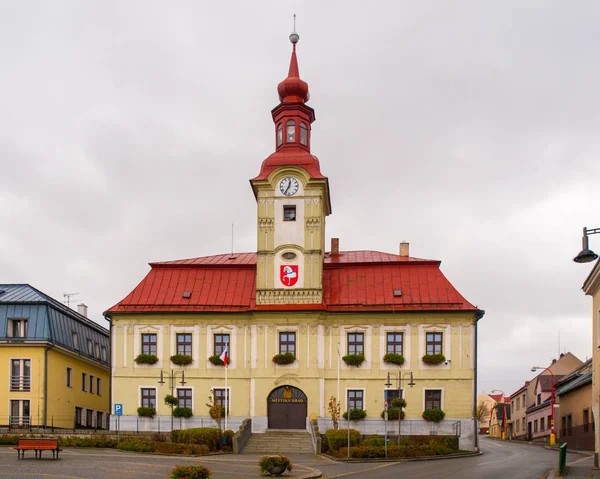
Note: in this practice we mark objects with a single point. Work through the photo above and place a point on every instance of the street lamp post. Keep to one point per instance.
(503, 433)
(552, 433)
(399, 383)
(172, 379)
(586, 254)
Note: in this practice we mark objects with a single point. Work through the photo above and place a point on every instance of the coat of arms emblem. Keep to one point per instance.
(288, 274)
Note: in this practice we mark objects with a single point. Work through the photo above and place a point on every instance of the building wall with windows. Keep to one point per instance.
(39, 339)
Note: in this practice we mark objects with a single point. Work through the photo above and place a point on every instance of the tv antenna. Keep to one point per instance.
(67, 298)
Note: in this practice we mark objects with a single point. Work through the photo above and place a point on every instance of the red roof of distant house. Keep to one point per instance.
(352, 281)
(496, 397)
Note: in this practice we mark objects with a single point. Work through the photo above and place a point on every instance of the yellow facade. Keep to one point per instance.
(51, 402)
(252, 375)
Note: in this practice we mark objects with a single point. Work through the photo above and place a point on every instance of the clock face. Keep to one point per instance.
(289, 186)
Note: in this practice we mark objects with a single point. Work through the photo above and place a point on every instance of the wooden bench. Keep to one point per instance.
(37, 445)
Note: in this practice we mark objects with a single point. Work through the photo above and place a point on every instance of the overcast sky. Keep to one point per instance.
(129, 130)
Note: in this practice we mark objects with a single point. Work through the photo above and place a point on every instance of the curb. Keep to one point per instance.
(403, 459)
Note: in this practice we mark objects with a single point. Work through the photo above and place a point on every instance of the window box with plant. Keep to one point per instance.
(354, 360)
(355, 414)
(433, 359)
(433, 415)
(146, 412)
(285, 358)
(146, 359)
(217, 361)
(181, 359)
(393, 358)
(183, 412)
(274, 465)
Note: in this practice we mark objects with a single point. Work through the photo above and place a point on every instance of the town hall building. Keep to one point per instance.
(302, 322)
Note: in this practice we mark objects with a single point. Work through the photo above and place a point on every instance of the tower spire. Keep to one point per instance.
(293, 89)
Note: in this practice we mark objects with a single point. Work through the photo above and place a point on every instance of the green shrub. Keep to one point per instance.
(355, 414)
(354, 360)
(399, 402)
(433, 415)
(181, 359)
(338, 438)
(170, 400)
(208, 436)
(286, 358)
(146, 411)
(146, 359)
(9, 440)
(228, 433)
(393, 358)
(433, 359)
(87, 442)
(372, 452)
(190, 472)
(182, 412)
(374, 441)
(267, 462)
(216, 360)
(139, 445)
(440, 449)
(392, 414)
(135, 446)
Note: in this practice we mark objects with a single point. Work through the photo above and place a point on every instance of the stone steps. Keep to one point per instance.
(280, 442)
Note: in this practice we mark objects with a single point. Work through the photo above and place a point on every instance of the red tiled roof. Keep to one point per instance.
(496, 397)
(352, 281)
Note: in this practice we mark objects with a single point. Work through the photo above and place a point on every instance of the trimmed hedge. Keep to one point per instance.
(190, 472)
(87, 442)
(183, 412)
(146, 411)
(209, 436)
(338, 438)
(138, 445)
(9, 440)
(373, 452)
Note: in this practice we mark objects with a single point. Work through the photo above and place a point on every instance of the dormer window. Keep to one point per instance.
(290, 132)
(303, 133)
(279, 134)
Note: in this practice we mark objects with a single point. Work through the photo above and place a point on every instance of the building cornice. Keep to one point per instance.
(591, 284)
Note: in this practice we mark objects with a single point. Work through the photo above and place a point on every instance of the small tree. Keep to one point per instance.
(482, 414)
(334, 411)
(215, 409)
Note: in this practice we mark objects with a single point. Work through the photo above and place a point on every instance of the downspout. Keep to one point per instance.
(478, 315)
(46, 366)
(110, 372)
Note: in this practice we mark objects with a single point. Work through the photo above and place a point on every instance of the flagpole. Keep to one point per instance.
(226, 389)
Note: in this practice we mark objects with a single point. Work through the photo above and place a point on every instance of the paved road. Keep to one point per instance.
(500, 460)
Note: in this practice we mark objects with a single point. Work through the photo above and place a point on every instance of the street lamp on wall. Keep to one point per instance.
(586, 254)
(552, 434)
(399, 385)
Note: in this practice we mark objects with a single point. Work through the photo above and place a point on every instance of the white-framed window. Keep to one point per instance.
(355, 342)
(99, 386)
(69, 377)
(90, 347)
(20, 374)
(20, 412)
(185, 397)
(17, 328)
(148, 397)
(92, 382)
(222, 396)
(433, 398)
(355, 398)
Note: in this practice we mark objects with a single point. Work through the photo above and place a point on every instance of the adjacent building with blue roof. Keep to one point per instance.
(54, 361)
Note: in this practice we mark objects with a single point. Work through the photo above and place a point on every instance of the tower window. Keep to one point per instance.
(289, 213)
(290, 132)
(303, 133)
(279, 134)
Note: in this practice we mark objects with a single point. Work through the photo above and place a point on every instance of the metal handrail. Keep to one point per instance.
(20, 383)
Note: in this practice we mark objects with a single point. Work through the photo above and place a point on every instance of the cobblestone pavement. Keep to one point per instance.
(86, 463)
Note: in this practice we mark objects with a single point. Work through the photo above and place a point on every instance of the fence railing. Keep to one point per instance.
(20, 383)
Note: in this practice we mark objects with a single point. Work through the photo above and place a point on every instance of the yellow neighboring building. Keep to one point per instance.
(55, 363)
(301, 325)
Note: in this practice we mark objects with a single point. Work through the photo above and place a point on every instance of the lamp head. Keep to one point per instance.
(389, 383)
(534, 369)
(412, 381)
(585, 256)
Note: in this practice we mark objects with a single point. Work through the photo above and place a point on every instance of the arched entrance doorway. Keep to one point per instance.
(287, 407)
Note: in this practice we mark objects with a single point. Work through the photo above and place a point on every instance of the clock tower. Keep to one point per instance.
(292, 203)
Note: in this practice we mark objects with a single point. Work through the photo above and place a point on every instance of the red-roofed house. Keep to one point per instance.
(301, 325)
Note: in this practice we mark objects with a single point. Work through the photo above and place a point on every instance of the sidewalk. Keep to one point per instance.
(579, 466)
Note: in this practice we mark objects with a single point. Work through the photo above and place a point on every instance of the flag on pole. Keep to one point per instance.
(225, 355)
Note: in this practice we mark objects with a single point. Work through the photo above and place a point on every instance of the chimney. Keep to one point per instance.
(82, 309)
(335, 246)
(404, 245)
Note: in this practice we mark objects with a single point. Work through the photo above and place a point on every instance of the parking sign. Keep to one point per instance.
(118, 409)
